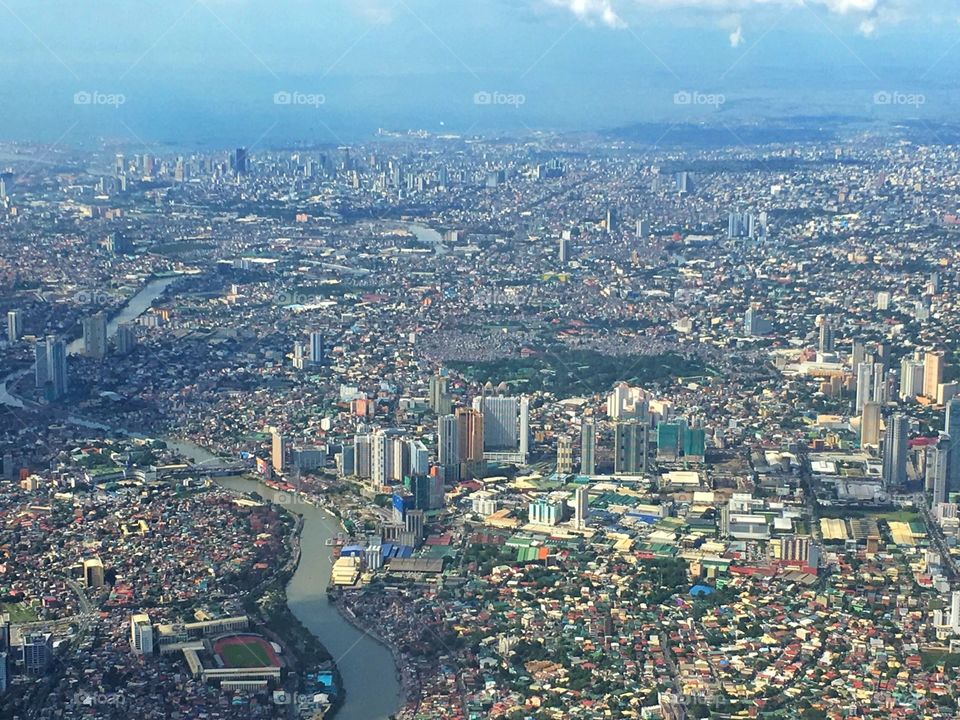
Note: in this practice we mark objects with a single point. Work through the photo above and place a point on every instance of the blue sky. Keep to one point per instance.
(200, 70)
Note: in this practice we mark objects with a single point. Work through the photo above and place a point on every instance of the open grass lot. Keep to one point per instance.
(19, 612)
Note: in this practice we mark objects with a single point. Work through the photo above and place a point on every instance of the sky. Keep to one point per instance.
(261, 72)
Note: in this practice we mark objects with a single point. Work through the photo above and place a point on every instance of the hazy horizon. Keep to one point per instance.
(252, 73)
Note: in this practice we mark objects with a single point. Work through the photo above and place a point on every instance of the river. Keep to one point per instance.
(366, 666)
(134, 308)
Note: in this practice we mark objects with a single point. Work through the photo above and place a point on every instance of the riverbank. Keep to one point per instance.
(367, 667)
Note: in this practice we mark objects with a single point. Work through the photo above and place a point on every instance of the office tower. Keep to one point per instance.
(865, 375)
(932, 374)
(870, 425)
(95, 336)
(564, 253)
(470, 434)
(630, 448)
(14, 325)
(240, 164)
(911, 378)
(317, 350)
(6, 183)
(382, 459)
(440, 400)
(895, 451)
(643, 228)
(938, 456)
(826, 336)
(564, 455)
(147, 165)
(581, 506)
(56, 368)
(588, 448)
(141, 634)
(180, 171)
(668, 440)
(299, 358)
(279, 452)
(883, 300)
(126, 338)
(120, 165)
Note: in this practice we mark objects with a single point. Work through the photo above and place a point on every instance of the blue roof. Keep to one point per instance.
(698, 590)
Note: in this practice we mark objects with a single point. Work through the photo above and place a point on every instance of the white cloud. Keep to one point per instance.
(736, 37)
(610, 12)
(592, 11)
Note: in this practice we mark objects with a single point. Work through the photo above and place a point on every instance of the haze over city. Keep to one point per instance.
(518, 359)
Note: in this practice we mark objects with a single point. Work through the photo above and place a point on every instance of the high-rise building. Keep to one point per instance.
(895, 449)
(500, 430)
(694, 444)
(932, 374)
(870, 425)
(613, 220)
(362, 455)
(883, 300)
(40, 364)
(299, 357)
(826, 336)
(317, 350)
(440, 400)
(630, 448)
(448, 441)
(564, 455)
(668, 440)
(93, 573)
(95, 335)
(14, 325)
(627, 403)
(279, 452)
(524, 446)
(865, 377)
(51, 367)
(240, 164)
(588, 448)
(952, 429)
(126, 338)
(911, 378)
(581, 506)
(545, 511)
(470, 434)
(419, 458)
(937, 465)
(36, 652)
(141, 634)
(564, 250)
